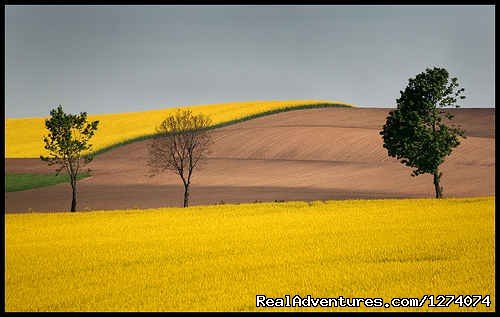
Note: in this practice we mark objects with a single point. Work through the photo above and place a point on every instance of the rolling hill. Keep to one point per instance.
(310, 154)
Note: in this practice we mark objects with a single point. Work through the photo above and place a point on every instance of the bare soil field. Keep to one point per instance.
(315, 154)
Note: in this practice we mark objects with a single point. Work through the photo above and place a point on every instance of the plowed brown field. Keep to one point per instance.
(316, 154)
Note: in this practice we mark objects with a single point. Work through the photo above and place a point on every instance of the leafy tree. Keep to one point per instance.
(416, 132)
(68, 144)
(181, 143)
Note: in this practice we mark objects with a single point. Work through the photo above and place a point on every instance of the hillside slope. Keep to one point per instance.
(331, 153)
(24, 136)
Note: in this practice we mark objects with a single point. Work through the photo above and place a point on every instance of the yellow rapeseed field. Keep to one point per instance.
(24, 136)
(218, 258)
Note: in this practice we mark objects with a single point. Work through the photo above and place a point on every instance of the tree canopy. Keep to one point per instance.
(68, 143)
(418, 132)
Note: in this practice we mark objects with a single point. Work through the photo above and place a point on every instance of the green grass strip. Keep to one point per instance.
(16, 182)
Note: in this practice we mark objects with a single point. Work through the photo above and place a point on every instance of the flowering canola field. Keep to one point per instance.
(24, 136)
(218, 258)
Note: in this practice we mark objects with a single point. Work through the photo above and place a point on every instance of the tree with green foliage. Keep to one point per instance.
(417, 132)
(68, 144)
(181, 143)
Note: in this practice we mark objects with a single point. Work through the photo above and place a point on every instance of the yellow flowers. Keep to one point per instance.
(214, 258)
(23, 137)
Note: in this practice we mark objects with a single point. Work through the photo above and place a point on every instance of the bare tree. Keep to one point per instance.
(181, 143)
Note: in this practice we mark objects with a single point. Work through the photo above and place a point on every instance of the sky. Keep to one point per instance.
(108, 59)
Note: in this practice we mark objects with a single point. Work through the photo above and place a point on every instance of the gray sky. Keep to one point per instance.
(105, 59)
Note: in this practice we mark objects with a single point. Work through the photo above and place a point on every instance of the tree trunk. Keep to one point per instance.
(73, 200)
(437, 187)
(186, 195)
